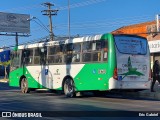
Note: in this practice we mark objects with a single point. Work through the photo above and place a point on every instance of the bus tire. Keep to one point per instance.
(24, 86)
(69, 88)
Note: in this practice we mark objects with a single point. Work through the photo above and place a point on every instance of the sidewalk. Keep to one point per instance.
(152, 95)
(145, 94)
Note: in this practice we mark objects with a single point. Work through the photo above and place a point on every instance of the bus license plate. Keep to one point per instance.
(133, 77)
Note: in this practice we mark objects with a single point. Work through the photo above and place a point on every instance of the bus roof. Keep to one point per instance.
(52, 43)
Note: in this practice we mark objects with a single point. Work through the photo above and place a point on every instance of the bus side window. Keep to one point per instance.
(58, 59)
(96, 45)
(105, 50)
(68, 58)
(96, 56)
(96, 50)
(68, 53)
(51, 52)
(105, 56)
(86, 49)
(76, 52)
(76, 57)
(30, 56)
(55, 54)
(87, 46)
(76, 48)
(36, 56)
(15, 59)
(99, 45)
(27, 56)
(86, 57)
(43, 55)
(68, 48)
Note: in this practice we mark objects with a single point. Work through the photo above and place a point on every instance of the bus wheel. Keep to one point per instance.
(68, 88)
(24, 86)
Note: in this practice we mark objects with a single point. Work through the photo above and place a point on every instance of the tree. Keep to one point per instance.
(5, 61)
(5, 64)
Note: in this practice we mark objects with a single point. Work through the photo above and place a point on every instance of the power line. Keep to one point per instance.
(97, 26)
(24, 8)
(81, 4)
(84, 4)
(119, 21)
(39, 23)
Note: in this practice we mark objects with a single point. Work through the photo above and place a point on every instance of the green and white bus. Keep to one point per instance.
(92, 63)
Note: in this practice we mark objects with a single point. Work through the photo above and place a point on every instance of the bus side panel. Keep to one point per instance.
(96, 76)
(112, 62)
(15, 76)
(92, 77)
(32, 83)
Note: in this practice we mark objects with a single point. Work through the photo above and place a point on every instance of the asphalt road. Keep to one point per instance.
(11, 99)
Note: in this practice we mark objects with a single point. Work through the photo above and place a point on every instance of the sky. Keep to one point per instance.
(87, 17)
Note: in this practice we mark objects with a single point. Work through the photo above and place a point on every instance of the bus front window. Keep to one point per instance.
(15, 60)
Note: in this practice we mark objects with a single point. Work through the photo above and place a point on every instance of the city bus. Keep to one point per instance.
(96, 63)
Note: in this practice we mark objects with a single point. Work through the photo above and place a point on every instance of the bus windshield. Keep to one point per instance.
(131, 45)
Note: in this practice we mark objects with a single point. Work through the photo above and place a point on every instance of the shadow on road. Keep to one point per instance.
(6, 87)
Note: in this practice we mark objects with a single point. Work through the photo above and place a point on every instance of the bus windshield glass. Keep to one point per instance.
(131, 45)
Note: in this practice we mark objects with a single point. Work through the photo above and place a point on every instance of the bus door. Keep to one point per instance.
(45, 75)
(133, 62)
(48, 77)
(15, 65)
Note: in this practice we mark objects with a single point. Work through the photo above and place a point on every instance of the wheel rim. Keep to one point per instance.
(24, 86)
(69, 88)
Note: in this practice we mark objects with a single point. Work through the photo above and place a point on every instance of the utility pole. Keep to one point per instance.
(157, 21)
(16, 38)
(69, 19)
(49, 13)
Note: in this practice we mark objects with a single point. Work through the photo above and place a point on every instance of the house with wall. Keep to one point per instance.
(147, 30)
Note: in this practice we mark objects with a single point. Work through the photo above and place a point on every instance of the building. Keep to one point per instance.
(147, 30)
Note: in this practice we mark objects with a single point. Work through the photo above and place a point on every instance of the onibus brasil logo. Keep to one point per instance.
(131, 70)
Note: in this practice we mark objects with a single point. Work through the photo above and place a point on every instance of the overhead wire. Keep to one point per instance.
(75, 5)
(104, 24)
(72, 6)
(80, 28)
(81, 4)
(78, 5)
(24, 8)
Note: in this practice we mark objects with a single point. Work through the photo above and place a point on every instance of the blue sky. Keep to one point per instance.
(88, 17)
